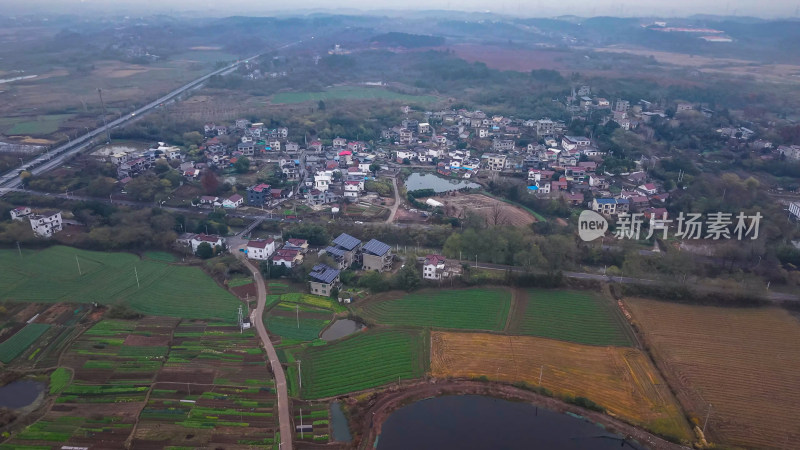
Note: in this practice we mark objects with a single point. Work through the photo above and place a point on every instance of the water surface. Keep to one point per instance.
(429, 181)
(476, 422)
(340, 329)
(20, 393)
(341, 431)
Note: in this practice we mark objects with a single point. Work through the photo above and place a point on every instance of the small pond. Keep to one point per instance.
(341, 430)
(341, 328)
(20, 393)
(479, 422)
(429, 181)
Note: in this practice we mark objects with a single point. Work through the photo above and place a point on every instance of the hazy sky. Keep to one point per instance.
(536, 8)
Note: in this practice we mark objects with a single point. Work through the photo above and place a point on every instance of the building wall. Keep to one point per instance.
(318, 288)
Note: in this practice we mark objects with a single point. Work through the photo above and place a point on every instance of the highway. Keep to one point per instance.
(57, 156)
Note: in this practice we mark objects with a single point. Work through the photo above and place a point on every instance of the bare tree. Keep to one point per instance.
(497, 216)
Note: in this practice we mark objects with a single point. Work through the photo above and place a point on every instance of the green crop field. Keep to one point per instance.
(571, 316)
(363, 361)
(38, 126)
(350, 93)
(472, 309)
(51, 275)
(59, 379)
(286, 327)
(20, 341)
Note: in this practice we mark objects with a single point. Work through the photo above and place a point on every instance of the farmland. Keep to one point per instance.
(472, 309)
(742, 361)
(620, 379)
(287, 327)
(573, 316)
(19, 342)
(109, 278)
(176, 382)
(350, 93)
(366, 360)
(36, 126)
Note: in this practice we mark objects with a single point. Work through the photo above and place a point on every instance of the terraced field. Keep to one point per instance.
(467, 309)
(109, 278)
(620, 379)
(572, 316)
(366, 360)
(287, 327)
(743, 361)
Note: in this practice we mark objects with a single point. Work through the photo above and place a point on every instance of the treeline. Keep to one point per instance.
(396, 39)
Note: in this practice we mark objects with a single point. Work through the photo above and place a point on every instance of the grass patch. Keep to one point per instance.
(59, 379)
(286, 327)
(473, 309)
(38, 126)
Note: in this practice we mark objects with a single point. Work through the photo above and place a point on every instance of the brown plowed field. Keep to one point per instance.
(745, 362)
(620, 379)
(495, 212)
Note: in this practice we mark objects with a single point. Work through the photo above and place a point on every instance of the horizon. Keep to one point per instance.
(780, 9)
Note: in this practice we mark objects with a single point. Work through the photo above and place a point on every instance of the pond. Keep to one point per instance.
(341, 431)
(19, 394)
(478, 422)
(340, 329)
(429, 181)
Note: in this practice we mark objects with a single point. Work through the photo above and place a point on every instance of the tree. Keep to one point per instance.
(374, 168)
(204, 250)
(242, 165)
(210, 182)
(192, 138)
(409, 277)
(321, 105)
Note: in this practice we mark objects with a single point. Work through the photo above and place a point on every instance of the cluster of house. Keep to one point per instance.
(348, 161)
(289, 255)
(644, 198)
(194, 240)
(44, 224)
(131, 162)
(437, 267)
(347, 250)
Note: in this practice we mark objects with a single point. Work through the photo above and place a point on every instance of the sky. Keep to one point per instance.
(527, 8)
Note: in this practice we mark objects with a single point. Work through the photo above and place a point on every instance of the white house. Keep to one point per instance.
(351, 189)
(574, 142)
(234, 201)
(436, 267)
(794, 209)
(46, 224)
(20, 212)
(322, 180)
(260, 249)
(212, 239)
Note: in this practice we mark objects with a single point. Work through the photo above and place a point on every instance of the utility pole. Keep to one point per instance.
(79, 265)
(301, 423)
(20, 254)
(136, 272)
(300, 374)
(105, 123)
(707, 416)
(541, 372)
(297, 313)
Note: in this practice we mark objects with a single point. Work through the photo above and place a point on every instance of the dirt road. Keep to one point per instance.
(280, 377)
(396, 205)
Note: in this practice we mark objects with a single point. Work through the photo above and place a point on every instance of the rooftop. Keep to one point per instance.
(376, 247)
(346, 241)
(323, 273)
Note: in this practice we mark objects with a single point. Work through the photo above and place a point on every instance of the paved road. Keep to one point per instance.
(280, 377)
(58, 156)
(396, 205)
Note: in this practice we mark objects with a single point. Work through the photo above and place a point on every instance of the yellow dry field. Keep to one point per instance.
(620, 379)
(744, 361)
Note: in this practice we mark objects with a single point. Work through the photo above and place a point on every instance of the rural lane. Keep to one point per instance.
(256, 318)
(396, 205)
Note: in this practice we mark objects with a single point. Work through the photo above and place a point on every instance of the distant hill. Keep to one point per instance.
(395, 39)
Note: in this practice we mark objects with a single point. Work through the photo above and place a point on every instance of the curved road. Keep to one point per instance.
(280, 378)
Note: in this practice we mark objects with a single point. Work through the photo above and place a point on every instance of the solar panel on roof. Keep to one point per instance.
(326, 275)
(335, 251)
(376, 247)
(346, 241)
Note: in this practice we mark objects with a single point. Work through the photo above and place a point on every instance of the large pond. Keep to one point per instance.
(478, 422)
(19, 394)
(429, 181)
(340, 329)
